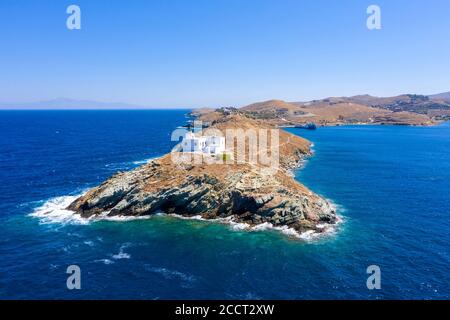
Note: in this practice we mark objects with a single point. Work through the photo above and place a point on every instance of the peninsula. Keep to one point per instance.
(249, 193)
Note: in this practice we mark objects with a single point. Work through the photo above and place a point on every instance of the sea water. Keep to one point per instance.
(391, 186)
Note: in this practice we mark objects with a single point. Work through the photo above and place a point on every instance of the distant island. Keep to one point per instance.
(72, 104)
(406, 109)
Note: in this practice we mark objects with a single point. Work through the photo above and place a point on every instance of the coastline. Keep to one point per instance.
(437, 123)
(51, 212)
(161, 186)
(234, 224)
(54, 211)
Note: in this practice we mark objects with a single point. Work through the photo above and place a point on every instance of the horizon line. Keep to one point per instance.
(40, 104)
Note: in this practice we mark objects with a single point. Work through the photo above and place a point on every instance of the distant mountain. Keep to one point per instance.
(63, 103)
(416, 103)
(332, 111)
(441, 96)
(409, 109)
(273, 108)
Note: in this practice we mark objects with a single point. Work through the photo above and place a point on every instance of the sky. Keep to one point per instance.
(196, 53)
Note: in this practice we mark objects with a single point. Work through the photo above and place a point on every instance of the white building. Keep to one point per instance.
(208, 144)
(214, 144)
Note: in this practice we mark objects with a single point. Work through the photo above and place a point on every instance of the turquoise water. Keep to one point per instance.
(391, 185)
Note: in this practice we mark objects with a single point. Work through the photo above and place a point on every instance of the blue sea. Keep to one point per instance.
(391, 186)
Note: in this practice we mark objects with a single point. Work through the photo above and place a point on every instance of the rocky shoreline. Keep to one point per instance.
(236, 193)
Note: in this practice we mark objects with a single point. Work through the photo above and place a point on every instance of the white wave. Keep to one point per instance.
(54, 211)
(128, 165)
(105, 261)
(179, 216)
(309, 235)
(171, 274)
(263, 226)
(122, 254)
(104, 217)
(145, 161)
(140, 162)
(239, 226)
(290, 232)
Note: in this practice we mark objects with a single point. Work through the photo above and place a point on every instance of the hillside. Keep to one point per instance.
(333, 111)
(441, 97)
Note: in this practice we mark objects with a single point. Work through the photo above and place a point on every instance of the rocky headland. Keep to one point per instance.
(250, 193)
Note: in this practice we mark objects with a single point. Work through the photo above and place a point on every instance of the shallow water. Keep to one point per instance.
(391, 185)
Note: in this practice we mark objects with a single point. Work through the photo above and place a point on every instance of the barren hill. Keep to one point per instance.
(331, 111)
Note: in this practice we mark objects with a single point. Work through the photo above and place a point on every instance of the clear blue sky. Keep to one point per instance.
(172, 53)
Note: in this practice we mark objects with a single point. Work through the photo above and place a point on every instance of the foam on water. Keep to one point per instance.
(122, 254)
(179, 216)
(327, 229)
(104, 261)
(54, 211)
(129, 165)
(104, 217)
(145, 161)
(171, 274)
